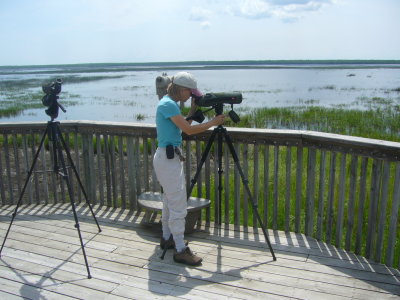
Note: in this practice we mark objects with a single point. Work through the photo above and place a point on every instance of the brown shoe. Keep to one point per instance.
(170, 243)
(187, 257)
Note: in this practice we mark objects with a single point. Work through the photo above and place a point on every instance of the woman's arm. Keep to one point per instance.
(192, 111)
(185, 126)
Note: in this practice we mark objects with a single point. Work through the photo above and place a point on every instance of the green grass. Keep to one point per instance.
(379, 123)
(266, 209)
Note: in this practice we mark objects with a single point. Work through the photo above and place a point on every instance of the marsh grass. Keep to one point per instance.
(19, 95)
(13, 104)
(378, 123)
(380, 119)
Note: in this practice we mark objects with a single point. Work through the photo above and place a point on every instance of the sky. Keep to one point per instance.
(42, 32)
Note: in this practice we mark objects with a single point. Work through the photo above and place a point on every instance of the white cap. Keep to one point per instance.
(186, 80)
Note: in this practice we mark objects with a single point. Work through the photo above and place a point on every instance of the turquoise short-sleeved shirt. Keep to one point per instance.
(167, 132)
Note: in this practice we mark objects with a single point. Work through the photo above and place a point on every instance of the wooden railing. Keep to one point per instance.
(340, 189)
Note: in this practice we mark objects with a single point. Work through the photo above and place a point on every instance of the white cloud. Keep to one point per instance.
(201, 15)
(254, 9)
(287, 10)
(290, 2)
(205, 25)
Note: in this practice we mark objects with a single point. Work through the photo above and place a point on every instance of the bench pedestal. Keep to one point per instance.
(151, 201)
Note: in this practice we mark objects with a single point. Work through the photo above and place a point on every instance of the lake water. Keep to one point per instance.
(130, 95)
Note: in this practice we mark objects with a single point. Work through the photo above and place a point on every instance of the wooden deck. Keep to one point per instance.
(42, 259)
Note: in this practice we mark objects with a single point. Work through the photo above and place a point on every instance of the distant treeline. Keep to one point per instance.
(190, 65)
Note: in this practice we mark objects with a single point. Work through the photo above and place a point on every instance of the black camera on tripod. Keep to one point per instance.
(216, 101)
(50, 100)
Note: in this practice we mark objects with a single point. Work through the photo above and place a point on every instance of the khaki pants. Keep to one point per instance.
(170, 174)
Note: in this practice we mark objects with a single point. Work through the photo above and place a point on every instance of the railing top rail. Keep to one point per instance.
(327, 141)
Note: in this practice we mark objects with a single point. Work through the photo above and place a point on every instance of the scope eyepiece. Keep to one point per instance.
(53, 87)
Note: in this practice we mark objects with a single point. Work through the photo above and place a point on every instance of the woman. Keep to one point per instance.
(168, 163)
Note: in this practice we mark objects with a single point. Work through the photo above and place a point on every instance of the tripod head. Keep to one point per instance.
(218, 108)
(50, 99)
(216, 101)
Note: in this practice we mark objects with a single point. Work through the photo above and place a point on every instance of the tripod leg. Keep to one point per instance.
(25, 185)
(71, 198)
(77, 176)
(167, 244)
(202, 161)
(246, 185)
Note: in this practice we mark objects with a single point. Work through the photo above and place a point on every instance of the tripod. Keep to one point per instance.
(55, 136)
(221, 133)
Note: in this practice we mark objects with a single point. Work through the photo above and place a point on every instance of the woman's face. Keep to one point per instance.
(185, 94)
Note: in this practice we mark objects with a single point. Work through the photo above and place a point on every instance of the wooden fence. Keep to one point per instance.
(340, 189)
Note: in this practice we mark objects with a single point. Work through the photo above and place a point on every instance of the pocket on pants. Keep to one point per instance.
(169, 173)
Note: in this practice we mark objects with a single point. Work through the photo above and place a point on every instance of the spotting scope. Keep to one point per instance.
(213, 99)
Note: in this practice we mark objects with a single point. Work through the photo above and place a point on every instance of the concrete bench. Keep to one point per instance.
(151, 201)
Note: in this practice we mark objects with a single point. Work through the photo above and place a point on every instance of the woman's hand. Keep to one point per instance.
(185, 126)
(218, 120)
(193, 103)
(193, 106)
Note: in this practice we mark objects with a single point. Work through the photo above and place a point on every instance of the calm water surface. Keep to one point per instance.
(132, 97)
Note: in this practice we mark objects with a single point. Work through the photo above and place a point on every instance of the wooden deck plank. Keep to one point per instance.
(362, 267)
(281, 238)
(350, 265)
(132, 263)
(111, 264)
(42, 250)
(125, 262)
(8, 296)
(112, 241)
